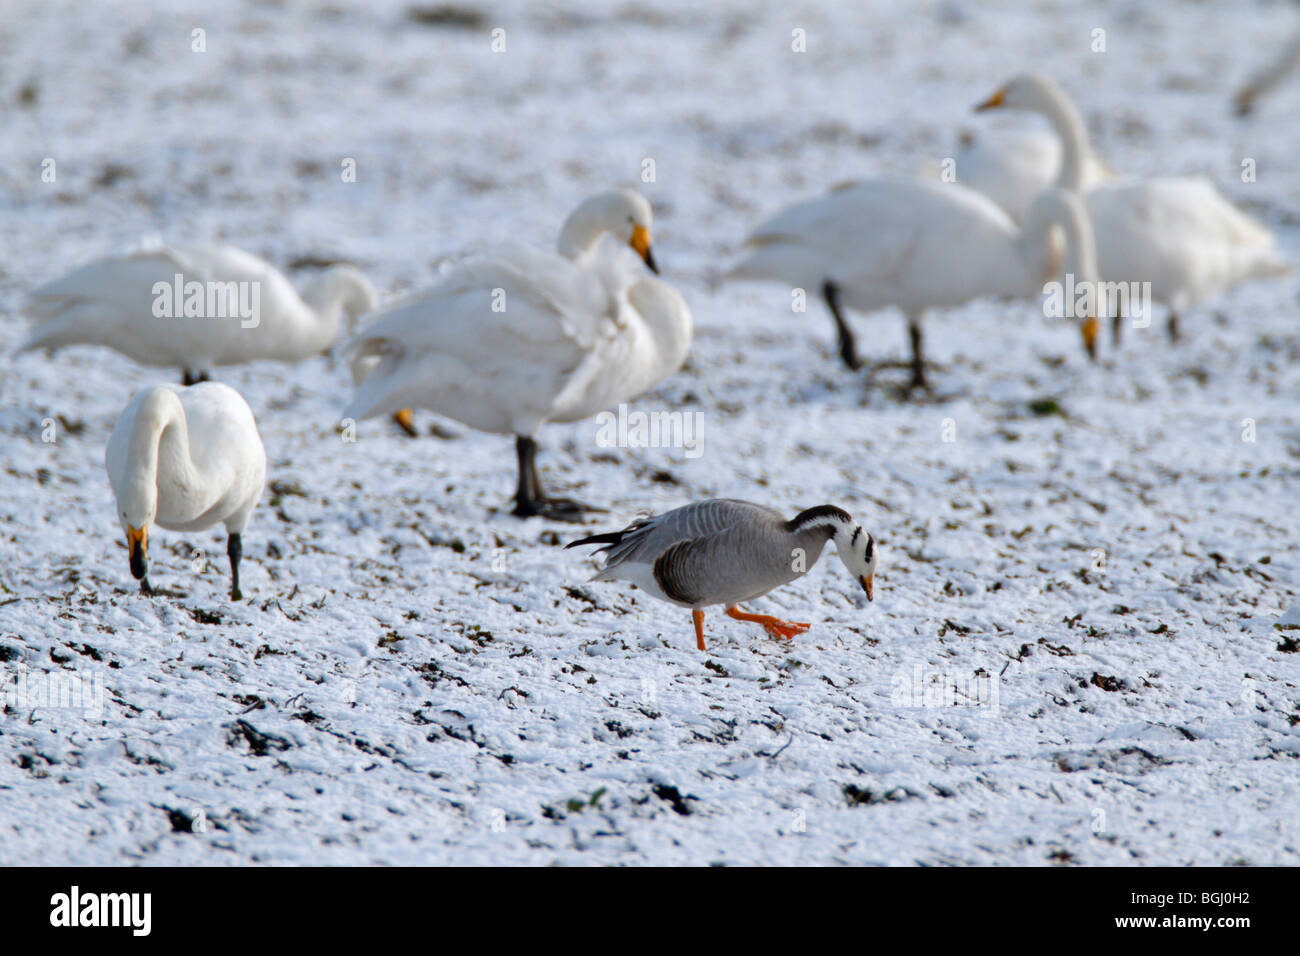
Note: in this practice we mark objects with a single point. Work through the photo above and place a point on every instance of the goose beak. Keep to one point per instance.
(137, 543)
(641, 243)
(867, 581)
(1090, 329)
(993, 102)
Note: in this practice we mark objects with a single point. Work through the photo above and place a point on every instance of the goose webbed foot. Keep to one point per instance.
(775, 627)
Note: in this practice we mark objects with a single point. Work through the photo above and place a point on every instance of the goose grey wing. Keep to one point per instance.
(730, 565)
(648, 538)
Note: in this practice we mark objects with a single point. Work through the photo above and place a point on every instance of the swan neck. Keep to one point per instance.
(1068, 126)
(160, 439)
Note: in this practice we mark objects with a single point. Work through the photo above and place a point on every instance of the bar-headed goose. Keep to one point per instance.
(194, 307)
(185, 459)
(508, 342)
(725, 551)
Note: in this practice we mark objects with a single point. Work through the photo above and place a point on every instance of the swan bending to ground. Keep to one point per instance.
(1175, 232)
(724, 551)
(1012, 166)
(185, 459)
(227, 307)
(506, 343)
(917, 245)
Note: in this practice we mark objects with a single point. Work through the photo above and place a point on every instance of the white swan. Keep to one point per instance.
(1175, 232)
(506, 343)
(185, 459)
(131, 303)
(1012, 166)
(916, 245)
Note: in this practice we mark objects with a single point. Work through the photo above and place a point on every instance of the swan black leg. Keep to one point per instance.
(234, 548)
(192, 376)
(848, 348)
(918, 358)
(1172, 326)
(529, 498)
(1116, 325)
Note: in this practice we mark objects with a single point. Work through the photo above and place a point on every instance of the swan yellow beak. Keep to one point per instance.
(993, 102)
(641, 243)
(867, 585)
(137, 545)
(406, 421)
(1090, 329)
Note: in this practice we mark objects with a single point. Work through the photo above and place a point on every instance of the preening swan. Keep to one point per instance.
(916, 245)
(227, 307)
(185, 459)
(1175, 232)
(506, 343)
(1012, 166)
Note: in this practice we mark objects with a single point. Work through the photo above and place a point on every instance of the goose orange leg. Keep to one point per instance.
(773, 625)
(699, 629)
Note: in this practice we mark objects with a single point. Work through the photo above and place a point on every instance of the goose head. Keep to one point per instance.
(623, 213)
(858, 551)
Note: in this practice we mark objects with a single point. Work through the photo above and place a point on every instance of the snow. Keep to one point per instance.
(1098, 558)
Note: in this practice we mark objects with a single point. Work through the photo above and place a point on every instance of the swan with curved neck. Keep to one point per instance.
(508, 342)
(195, 307)
(917, 245)
(1176, 234)
(185, 459)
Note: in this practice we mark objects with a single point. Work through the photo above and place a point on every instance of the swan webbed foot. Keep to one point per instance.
(192, 376)
(557, 509)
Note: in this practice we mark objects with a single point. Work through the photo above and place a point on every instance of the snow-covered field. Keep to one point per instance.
(1073, 655)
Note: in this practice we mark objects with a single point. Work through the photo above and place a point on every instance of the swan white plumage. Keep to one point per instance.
(508, 342)
(115, 302)
(917, 245)
(1176, 232)
(1012, 166)
(185, 459)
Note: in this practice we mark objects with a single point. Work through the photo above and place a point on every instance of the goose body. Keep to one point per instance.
(915, 245)
(116, 301)
(726, 551)
(185, 459)
(508, 342)
(1176, 232)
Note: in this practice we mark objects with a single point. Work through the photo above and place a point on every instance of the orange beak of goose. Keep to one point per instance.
(137, 544)
(641, 243)
(993, 102)
(867, 585)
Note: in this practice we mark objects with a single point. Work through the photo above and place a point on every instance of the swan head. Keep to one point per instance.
(1025, 91)
(339, 291)
(623, 213)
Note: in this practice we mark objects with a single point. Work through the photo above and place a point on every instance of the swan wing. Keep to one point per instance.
(493, 345)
